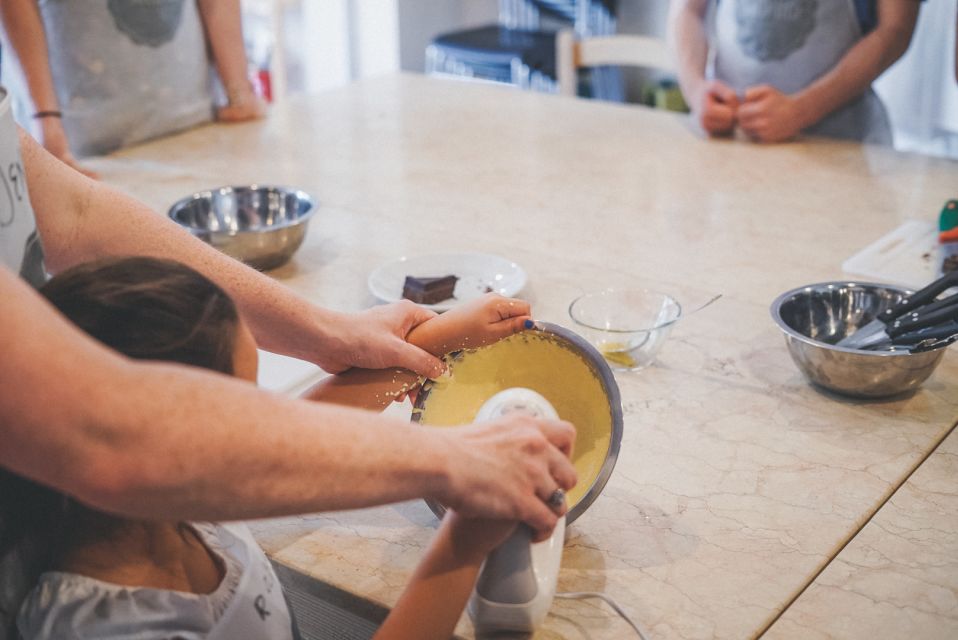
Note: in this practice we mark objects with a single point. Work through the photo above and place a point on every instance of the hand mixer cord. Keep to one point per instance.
(582, 595)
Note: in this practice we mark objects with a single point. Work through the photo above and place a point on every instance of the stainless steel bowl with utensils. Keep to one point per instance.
(261, 225)
(815, 317)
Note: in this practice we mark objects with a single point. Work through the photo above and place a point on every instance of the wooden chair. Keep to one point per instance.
(618, 50)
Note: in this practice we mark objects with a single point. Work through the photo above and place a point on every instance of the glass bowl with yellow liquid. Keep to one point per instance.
(627, 326)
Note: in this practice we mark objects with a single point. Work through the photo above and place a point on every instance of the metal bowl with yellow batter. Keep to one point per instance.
(560, 365)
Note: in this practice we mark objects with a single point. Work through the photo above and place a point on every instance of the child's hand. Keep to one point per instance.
(243, 105)
(480, 322)
(717, 107)
(768, 115)
(473, 538)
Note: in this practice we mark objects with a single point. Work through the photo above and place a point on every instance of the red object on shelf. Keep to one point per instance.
(262, 84)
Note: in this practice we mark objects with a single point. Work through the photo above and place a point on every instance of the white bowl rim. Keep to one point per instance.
(657, 327)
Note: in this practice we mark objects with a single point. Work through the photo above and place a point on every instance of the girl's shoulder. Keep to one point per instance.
(66, 604)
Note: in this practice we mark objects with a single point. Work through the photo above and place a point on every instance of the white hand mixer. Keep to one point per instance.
(517, 582)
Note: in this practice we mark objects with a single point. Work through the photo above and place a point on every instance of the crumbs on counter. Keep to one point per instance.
(429, 290)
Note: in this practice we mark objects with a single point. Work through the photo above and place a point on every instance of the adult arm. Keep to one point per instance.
(769, 115)
(155, 440)
(713, 103)
(222, 23)
(477, 323)
(23, 28)
(81, 220)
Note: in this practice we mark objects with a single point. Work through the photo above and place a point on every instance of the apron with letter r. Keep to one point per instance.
(20, 249)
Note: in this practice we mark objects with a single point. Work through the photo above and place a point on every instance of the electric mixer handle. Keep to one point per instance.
(507, 575)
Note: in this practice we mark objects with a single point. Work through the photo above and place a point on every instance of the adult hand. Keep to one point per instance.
(716, 107)
(376, 339)
(54, 140)
(768, 115)
(508, 468)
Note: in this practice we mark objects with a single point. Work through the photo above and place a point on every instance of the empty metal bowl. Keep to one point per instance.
(815, 317)
(262, 226)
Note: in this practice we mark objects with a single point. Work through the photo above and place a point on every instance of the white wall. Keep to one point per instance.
(326, 43)
(422, 20)
(644, 17)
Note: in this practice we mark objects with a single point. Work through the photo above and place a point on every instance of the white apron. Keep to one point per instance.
(126, 71)
(247, 605)
(258, 609)
(20, 249)
(789, 44)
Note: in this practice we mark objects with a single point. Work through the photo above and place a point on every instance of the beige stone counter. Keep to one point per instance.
(737, 482)
(898, 578)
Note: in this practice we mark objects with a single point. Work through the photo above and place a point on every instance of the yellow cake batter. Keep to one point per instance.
(541, 362)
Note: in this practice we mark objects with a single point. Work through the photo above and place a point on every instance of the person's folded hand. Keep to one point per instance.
(768, 115)
(717, 108)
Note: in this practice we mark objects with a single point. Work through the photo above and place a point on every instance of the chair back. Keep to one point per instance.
(617, 50)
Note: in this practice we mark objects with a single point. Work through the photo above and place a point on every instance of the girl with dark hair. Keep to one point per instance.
(102, 576)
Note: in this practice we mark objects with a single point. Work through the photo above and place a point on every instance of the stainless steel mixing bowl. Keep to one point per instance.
(262, 226)
(815, 317)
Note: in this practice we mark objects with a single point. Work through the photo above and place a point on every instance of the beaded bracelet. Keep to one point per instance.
(48, 114)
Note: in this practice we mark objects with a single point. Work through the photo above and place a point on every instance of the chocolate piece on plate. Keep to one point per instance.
(429, 290)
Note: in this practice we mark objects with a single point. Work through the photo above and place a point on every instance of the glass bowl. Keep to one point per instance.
(627, 326)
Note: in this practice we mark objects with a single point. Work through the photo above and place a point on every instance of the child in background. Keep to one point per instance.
(110, 577)
(783, 67)
(106, 74)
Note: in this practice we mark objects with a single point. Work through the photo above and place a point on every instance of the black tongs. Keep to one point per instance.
(913, 312)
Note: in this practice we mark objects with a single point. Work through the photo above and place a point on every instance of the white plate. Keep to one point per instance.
(477, 272)
(907, 255)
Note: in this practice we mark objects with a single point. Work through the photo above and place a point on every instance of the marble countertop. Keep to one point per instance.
(898, 577)
(737, 482)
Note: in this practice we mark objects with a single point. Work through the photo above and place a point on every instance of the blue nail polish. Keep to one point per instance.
(529, 324)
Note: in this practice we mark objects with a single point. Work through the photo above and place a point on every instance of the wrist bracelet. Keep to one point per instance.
(48, 114)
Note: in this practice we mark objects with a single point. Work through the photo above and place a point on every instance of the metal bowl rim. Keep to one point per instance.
(607, 378)
(775, 311)
(208, 193)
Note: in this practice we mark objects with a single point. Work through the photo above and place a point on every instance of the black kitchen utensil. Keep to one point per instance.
(865, 335)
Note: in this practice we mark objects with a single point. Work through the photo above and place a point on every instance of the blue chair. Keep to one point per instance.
(521, 52)
(519, 57)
